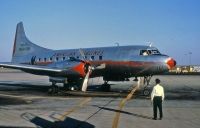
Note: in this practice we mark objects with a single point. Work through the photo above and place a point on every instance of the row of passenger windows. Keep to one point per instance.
(65, 58)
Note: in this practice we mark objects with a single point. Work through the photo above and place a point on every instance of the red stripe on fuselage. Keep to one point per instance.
(44, 63)
(40, 63)
(122, 63)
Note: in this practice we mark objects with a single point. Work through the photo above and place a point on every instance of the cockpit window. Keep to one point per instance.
(144, 52)
(155, 52)
(149, 52)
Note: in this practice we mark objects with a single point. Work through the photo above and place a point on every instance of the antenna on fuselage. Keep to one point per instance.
(150, 44)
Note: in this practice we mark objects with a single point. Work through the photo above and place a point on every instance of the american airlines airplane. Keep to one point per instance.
(73, 67)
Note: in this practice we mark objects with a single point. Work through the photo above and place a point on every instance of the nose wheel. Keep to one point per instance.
(146, 91)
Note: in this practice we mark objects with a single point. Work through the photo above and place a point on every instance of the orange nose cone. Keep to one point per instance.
(171, 63)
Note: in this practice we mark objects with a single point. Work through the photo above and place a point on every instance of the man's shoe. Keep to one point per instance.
(160, 118)
(154, 118)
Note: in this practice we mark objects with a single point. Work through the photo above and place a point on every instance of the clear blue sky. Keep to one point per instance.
(172, 25)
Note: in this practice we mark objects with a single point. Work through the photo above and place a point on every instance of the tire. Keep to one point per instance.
(146, 92)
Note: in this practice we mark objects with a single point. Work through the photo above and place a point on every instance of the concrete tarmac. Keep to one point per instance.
(24, 102)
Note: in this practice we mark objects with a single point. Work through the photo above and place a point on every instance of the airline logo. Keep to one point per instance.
(24, 47)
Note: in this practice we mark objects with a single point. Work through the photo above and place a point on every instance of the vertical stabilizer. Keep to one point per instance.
(22, 46)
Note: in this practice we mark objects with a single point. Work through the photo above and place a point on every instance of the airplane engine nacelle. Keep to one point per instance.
(82, 68)
(58, 79)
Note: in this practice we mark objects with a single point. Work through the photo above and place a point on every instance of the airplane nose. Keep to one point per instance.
(170, 63)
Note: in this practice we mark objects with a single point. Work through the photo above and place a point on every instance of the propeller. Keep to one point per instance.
(86, 79)
(88, 70)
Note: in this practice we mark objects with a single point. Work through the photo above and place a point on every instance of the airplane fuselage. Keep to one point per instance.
(121, 61)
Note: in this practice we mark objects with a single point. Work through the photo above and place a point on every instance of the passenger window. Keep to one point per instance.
(45, 59)
(57, 58)
(50, 59)
(100, 57)
(92, 57)
(63, 58)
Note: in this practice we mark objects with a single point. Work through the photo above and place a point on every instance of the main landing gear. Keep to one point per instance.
(105, 87)
(54, 89)
(71, 87)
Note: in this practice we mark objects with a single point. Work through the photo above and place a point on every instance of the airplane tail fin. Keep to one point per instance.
(22, 45)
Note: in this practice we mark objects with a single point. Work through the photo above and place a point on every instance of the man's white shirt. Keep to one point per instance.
(157, 91)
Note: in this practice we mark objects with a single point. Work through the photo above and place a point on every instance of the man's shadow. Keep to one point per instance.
(67, 123)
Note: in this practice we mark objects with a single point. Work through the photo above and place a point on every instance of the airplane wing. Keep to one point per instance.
(38, 70)
(28, 67)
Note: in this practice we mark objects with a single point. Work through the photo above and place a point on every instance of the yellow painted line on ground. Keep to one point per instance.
(33, 97)
(81, 104)
(11, 96)
(121, 105)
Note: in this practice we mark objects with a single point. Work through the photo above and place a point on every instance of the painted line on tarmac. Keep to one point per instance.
(33, 97)
(80, 105)
(11, 96)
(121, 105)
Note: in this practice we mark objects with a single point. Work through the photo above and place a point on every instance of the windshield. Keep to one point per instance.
(149, 52)
(154, 52)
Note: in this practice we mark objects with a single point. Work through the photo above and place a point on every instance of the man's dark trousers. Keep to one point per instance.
(157, 103)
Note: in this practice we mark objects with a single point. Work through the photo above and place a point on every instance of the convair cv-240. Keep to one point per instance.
(73, 67)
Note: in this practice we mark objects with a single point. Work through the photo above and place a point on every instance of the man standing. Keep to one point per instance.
(157, 96)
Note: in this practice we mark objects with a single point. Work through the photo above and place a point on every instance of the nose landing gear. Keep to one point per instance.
(147, 90)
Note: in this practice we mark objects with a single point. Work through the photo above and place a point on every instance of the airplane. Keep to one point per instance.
(73, 67)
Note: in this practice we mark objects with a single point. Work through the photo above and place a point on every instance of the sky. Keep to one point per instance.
(173, 26)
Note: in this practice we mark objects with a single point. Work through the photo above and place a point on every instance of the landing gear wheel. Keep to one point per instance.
(53, 89)
(146, 92)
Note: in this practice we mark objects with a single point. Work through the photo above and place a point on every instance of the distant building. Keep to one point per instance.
(196, 68)
(186, 69)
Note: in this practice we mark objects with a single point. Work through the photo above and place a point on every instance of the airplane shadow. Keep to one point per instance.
(124, 112)
(67, 123)
(98, 88)
(26, 86)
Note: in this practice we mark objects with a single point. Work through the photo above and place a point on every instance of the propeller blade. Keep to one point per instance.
(90, 68)
(85, 82)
